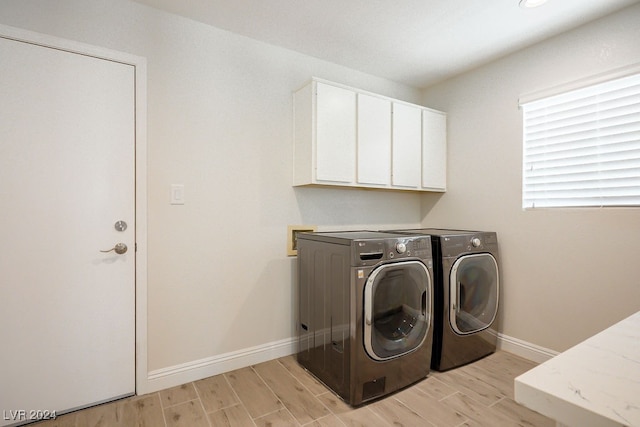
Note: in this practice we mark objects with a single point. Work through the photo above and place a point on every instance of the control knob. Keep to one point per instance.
(401, 247)
(476, 242)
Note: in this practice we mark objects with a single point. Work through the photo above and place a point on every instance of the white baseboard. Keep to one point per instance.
(525, 349)
(172, 376)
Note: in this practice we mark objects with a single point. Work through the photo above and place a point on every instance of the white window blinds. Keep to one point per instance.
(582, 148)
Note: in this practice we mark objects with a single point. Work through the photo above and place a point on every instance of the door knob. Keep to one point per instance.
(119, 248)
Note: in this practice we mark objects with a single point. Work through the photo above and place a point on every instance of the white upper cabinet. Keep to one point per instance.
(407, 146)
(325, 135)
(434, 150)
(335, 134)
(349, 137)
(374, 140)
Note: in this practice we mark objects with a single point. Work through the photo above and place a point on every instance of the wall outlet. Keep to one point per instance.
(292, 237)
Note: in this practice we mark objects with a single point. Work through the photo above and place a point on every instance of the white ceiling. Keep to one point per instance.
(415, 42)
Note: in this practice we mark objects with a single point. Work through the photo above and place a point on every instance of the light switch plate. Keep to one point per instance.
(292, 237)
(177, 194)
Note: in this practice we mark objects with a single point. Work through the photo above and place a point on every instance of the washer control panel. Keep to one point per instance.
(371, 252)
(411, 246)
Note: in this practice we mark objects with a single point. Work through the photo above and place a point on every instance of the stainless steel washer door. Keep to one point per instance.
(397, 309)
(474, 289)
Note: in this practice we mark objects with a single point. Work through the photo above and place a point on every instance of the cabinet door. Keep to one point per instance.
(407, 146)
(335, 134)
(374, 140)
(434, 150)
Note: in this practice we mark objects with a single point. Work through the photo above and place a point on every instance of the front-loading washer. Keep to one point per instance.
(365, 311)
(466, 295)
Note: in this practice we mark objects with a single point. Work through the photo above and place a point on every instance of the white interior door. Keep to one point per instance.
(67, 310)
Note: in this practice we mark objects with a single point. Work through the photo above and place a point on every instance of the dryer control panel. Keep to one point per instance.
(455, 245)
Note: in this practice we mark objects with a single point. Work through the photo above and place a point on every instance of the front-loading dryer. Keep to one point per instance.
(466, 291)
(365, 311)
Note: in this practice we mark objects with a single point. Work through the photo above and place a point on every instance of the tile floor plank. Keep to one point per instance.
(215, 393)
(335, 404)
(477, 412)
(505, 362)
(137, 411)
(524, 416)
(108, 414)
(307, 379)
(232, 416)
(144, 411)
(280, 418)
(481, 391)
(430, 408)
(362, 417)
(500, 380)
(188, 414)
(66, 420)
(435, 388)
(302, 404)
(253, 392)
(396, 413)
(179, 394)
(328, 421)
(498, 369)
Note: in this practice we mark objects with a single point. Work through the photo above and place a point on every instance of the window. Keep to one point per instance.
(582, 147)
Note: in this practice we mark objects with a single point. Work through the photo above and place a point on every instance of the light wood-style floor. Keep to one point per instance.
(281, 393)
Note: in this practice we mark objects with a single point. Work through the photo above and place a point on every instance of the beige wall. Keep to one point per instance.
(220, 122)
(566, 273)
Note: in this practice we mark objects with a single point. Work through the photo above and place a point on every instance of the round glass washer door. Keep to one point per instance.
(397, 309)
(473, 296)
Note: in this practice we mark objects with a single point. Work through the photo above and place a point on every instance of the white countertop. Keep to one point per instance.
(596, 383)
